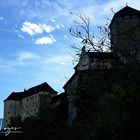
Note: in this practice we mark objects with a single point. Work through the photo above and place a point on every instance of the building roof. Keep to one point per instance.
(126, 11)
(20, 95)
(42, 87)
(15, 96)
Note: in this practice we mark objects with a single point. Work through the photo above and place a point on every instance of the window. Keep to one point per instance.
(27, 99)
(12, 107)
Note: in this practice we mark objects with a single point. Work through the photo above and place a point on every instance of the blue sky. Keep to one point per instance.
(35, 40)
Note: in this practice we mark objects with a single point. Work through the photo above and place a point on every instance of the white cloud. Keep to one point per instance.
(28, 67)
(65, 36)
(59, 63)
(52, 20)
(1, 18)
(34, 28)
(31, 28)
(47, 28)
(21, 36)
(45, 40)
(59, 59)
(62, 25)
(27, 56)
(100, 17)
(5, 64)
(57, 26)
(22, 58)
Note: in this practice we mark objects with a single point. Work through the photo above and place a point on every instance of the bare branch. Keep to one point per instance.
(82, 30)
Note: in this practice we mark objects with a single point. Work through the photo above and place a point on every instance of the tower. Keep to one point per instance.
(125, 33)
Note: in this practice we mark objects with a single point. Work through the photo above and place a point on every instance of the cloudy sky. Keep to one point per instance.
(35, 40)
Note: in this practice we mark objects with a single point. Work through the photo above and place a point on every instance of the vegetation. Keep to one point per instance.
(81, 29)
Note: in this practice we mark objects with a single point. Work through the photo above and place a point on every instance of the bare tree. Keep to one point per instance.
(82, 30)
(122, 39)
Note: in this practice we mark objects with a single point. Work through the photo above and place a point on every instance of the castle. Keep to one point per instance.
(125, 47)
(26, 103)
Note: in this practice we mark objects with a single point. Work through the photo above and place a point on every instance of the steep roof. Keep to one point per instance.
(15, 96)
(126, 11)
(20, 95)
(42, 87)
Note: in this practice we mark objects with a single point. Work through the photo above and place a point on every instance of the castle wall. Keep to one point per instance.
(70, 89)
(83, 62)
(31, 105)
(125, 35)
(11, 110)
